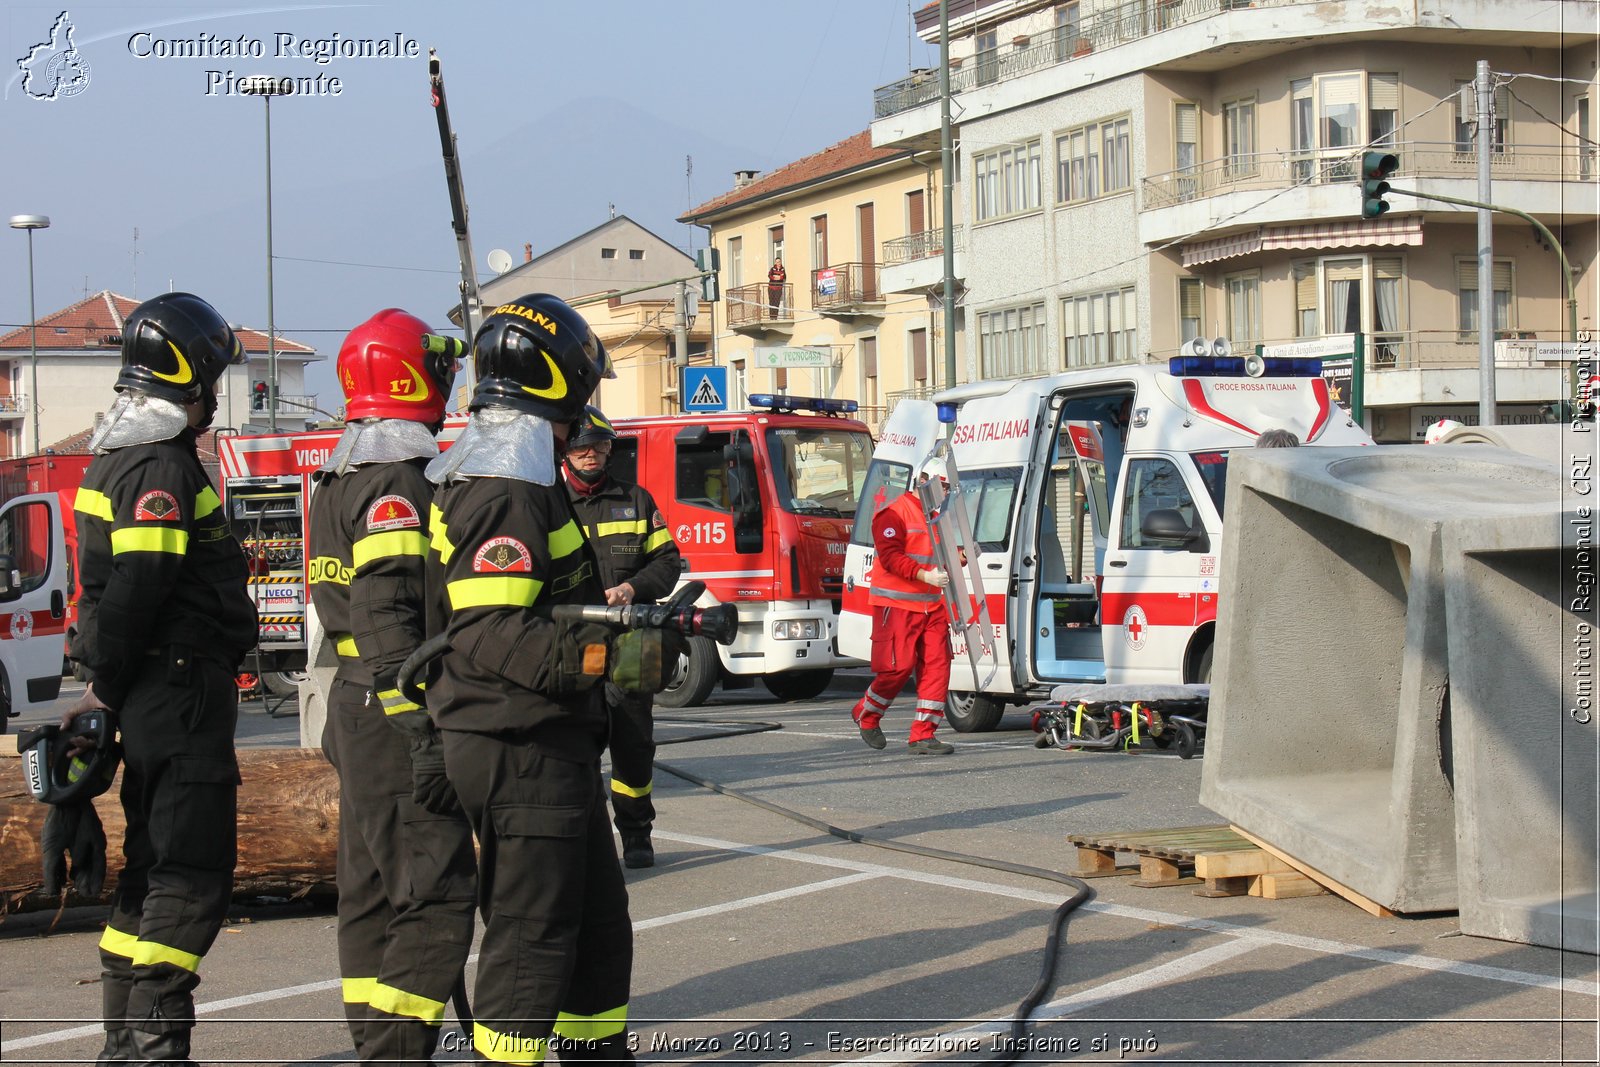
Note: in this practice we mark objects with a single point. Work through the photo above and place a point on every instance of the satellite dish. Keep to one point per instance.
(499, 260)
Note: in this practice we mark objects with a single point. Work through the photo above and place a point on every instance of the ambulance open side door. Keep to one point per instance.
(33, 601)
(1064, 616)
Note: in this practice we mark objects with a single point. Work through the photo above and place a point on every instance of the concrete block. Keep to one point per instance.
(1519, 606)
(1329, 685)
(1543, 442)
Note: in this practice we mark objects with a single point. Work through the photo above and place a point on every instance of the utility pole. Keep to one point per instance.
(1485, 114)
(947, 168)
(680, 340)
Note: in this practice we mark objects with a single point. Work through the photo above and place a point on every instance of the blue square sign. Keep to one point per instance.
(705, 389)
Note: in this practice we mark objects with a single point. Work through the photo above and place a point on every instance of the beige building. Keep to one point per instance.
(639, 329)
(77, 369)
(1135, 175)
(847, 321)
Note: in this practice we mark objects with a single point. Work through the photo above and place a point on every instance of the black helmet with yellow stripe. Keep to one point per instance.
(590, 428)
(176, 346)
(536, 354)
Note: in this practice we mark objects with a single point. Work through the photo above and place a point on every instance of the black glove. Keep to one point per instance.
(75, 830)
(430, 786)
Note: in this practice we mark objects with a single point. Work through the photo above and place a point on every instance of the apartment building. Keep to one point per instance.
(1135, 175)
(77, 369)
(854, 317)
(610, 273)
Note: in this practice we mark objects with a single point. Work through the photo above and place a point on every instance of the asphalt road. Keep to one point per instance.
(761, 939)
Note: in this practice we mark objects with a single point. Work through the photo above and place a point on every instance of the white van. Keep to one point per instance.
(33, 603)
(1096, 499)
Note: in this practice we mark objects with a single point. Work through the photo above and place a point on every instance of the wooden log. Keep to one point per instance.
(288, 829)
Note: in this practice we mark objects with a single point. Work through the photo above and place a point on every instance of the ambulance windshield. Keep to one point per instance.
(819, 470)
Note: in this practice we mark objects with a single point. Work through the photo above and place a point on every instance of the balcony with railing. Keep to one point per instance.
(1418, 159)
(761, 306)
(1102, 29)
(846, 287)
(915, 263)
(14, 406)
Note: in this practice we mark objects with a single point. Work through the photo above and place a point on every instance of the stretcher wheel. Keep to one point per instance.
(1186, 743)
(1091, 729)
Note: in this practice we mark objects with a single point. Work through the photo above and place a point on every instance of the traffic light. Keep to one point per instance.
(1375, 167)
(709, 260)
(258, 396)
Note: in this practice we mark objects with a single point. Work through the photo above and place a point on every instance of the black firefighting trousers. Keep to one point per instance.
(179, 794)
(407, 886)
(557, 950)
(633, 755)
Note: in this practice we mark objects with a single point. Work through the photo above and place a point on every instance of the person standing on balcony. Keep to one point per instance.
(775, 279)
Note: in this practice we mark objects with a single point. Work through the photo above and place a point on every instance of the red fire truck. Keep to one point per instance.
(33, 602)
(761, 504)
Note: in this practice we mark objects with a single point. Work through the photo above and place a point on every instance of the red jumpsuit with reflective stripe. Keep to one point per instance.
(910, 630)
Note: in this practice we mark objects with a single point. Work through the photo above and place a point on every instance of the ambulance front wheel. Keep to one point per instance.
(695, 677)
(798, 685)
(970, 713)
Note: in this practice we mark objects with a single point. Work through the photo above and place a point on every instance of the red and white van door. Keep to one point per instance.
(1149, 597)
(1071, 537)
(906, 440)
(33, 601)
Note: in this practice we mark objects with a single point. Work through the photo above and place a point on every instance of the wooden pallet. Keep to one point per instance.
(1227, 863)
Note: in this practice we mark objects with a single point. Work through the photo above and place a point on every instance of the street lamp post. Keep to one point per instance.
(266, 86)
(31, 223)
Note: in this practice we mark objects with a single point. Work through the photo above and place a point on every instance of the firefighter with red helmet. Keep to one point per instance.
(406, 872)
(910, 629)
(518, 696)
(165, 620)
(639, 564)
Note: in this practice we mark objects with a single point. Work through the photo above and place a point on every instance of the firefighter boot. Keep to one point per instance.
(169, 1046)
(116, 982)
(613, 1049)
(637, 851)
(118, 1048)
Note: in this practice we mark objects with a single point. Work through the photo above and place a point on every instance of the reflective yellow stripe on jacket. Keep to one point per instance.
(390, 543)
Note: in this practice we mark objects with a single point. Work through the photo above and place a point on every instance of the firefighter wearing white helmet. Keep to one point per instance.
(910, 632)
(1436, 433)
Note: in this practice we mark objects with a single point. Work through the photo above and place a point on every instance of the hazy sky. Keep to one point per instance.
(562, 109)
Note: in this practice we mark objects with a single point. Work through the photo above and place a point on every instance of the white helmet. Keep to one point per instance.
(1438, 430)
(934, 467)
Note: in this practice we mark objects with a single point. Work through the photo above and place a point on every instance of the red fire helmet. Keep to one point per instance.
(388, 370)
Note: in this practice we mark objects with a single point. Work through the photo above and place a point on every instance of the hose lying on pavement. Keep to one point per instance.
(1081, 892)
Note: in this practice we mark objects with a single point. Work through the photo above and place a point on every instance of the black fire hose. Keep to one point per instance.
(1082, 893)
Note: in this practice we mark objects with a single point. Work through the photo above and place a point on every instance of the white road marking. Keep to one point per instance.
(751, 902)
(1170, 971)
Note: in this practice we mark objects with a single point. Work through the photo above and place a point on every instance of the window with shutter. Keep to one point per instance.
(1191, 305)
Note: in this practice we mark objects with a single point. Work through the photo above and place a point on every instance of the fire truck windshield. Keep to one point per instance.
(819, 470)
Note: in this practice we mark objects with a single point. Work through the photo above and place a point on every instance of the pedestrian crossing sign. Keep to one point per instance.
(705, 389)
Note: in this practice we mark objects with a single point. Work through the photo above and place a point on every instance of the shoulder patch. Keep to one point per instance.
(157, 504)
(502, 555)
(392, 513)
(888, 531)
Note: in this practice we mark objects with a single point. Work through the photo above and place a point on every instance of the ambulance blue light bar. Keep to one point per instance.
(781, 402)
(1239, 367)
(947, 411)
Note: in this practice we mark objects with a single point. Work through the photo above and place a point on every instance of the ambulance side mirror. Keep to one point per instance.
(1168, 524)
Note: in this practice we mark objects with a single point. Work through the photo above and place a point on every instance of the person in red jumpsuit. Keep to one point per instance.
(910, 628)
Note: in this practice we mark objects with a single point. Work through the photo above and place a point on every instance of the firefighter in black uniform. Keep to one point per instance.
(406, 871)
(165, 620)
(518, 697)
(639, 564)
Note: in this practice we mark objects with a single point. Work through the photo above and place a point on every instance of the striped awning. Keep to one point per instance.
(1237, 244)
(1401, 231)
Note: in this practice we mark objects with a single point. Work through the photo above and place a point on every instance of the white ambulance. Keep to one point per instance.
(1096, 500)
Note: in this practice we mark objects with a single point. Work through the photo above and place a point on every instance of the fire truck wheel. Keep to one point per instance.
(798, 685)
(284, 683)
(695, 677)
(972, 714)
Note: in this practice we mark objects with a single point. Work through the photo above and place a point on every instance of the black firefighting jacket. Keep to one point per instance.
(504, 551)
(158, 566)
(630, 538)
(368, 546)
